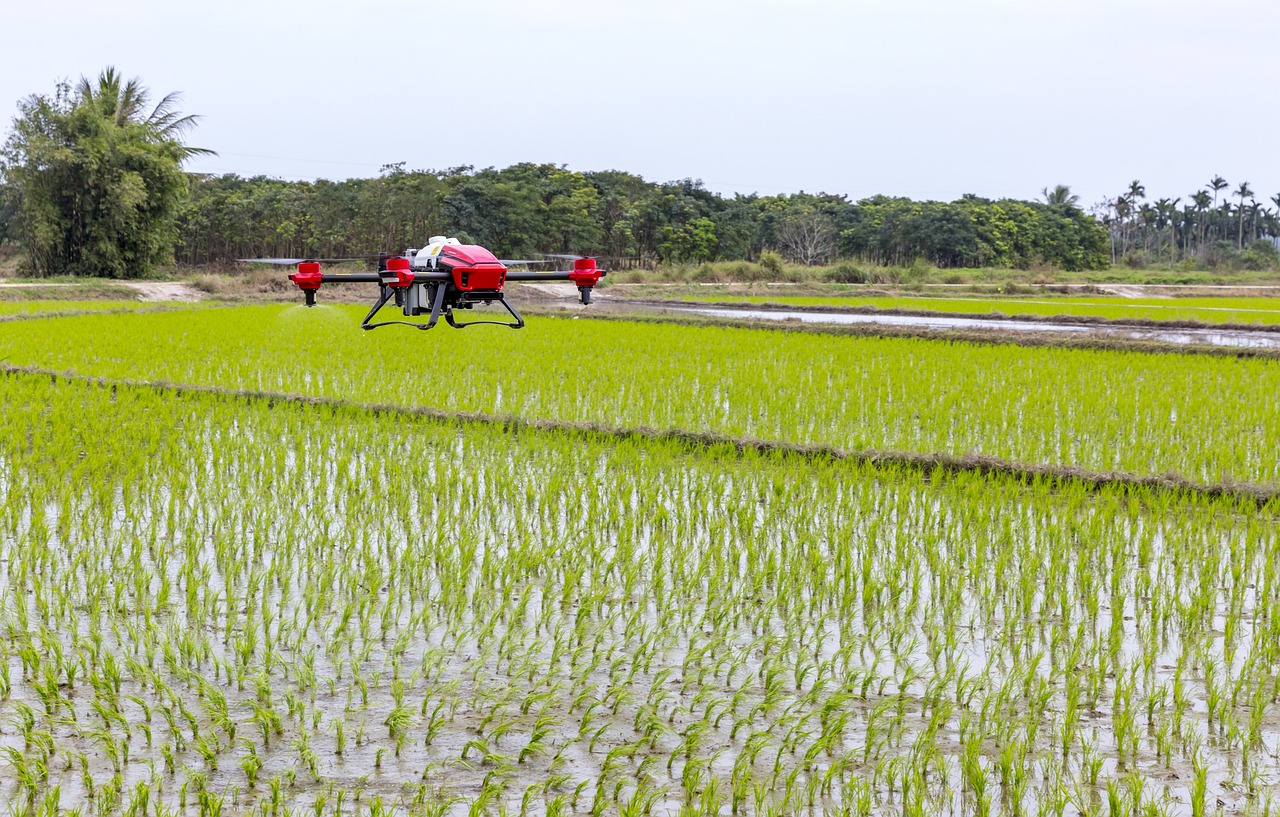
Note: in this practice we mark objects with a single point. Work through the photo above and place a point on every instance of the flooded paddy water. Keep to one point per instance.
(1186, 336)
(219, 607)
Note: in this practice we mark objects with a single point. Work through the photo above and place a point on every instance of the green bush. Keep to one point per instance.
(1261, 255)
(771, 263)
(847, 272)
(704, 274)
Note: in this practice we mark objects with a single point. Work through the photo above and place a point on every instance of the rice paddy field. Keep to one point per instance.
(243, 572)
(1262, 311)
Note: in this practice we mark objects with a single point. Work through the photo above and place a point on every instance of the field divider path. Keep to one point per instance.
(1261, 495)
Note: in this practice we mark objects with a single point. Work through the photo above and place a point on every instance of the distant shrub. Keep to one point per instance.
(917, 271)
(705, 274)
(1261, 255)
(1136, 259)
(847, 272)
(771, 263)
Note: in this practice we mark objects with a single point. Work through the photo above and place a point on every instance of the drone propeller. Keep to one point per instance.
(294, 261)
(569, 256)
(510, 261)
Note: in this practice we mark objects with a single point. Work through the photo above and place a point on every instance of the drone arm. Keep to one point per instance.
(376, 278)
(526, 275)
(353, 278)
(585, 275)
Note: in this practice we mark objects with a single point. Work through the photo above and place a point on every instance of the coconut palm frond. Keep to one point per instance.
(174, 124)
(165, 110)
(125, 103)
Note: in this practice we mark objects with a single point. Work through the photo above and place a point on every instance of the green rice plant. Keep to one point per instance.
(1199, 786)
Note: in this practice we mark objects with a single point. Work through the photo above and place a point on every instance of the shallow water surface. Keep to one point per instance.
(1211, 337)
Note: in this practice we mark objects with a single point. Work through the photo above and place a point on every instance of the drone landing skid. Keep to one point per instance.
(411, 301)
(519, 322)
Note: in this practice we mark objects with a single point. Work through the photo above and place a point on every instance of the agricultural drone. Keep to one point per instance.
(441, 278)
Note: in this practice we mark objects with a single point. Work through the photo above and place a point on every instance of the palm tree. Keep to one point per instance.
(1202, 202)
(1060, 195)
(1190, 229)
(1167, 216)
(1136, 193)
(1269, 223)
(1217, 184)
(1124, 209)
(125, 103)
(1243, 192)
(1136, 190)
(1147, 217)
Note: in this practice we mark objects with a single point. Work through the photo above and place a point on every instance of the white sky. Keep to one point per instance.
(922, 98)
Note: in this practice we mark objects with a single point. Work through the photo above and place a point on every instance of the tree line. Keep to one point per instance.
(1219, 222)
(540, 208)
(91, 183)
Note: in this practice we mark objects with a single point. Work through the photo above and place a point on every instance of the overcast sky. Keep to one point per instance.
(920, 98)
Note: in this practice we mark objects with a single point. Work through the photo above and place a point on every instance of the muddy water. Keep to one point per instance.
(1209, 337)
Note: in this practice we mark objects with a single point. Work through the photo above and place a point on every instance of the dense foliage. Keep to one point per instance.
(92, 183)
(530, 208)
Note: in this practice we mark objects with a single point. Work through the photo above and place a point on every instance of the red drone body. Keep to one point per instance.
(439, 279)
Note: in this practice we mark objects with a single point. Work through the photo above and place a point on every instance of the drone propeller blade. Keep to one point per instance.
(510, 261)
(293, 261)
(570, 256)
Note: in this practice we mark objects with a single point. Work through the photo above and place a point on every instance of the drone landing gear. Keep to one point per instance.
(413, 302)
(407, 300)
(501, 299)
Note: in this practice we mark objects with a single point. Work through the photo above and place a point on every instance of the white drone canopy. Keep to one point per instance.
(426, 257)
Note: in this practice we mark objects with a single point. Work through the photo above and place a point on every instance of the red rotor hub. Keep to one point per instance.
(585, 273)
(308, 277)
(403, 275)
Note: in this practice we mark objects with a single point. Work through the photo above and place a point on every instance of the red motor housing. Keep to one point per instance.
(398, 274)
(473, 267)
(308, 277)
(585, 273)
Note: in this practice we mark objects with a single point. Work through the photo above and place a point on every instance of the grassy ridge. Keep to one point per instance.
(1207, 419)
